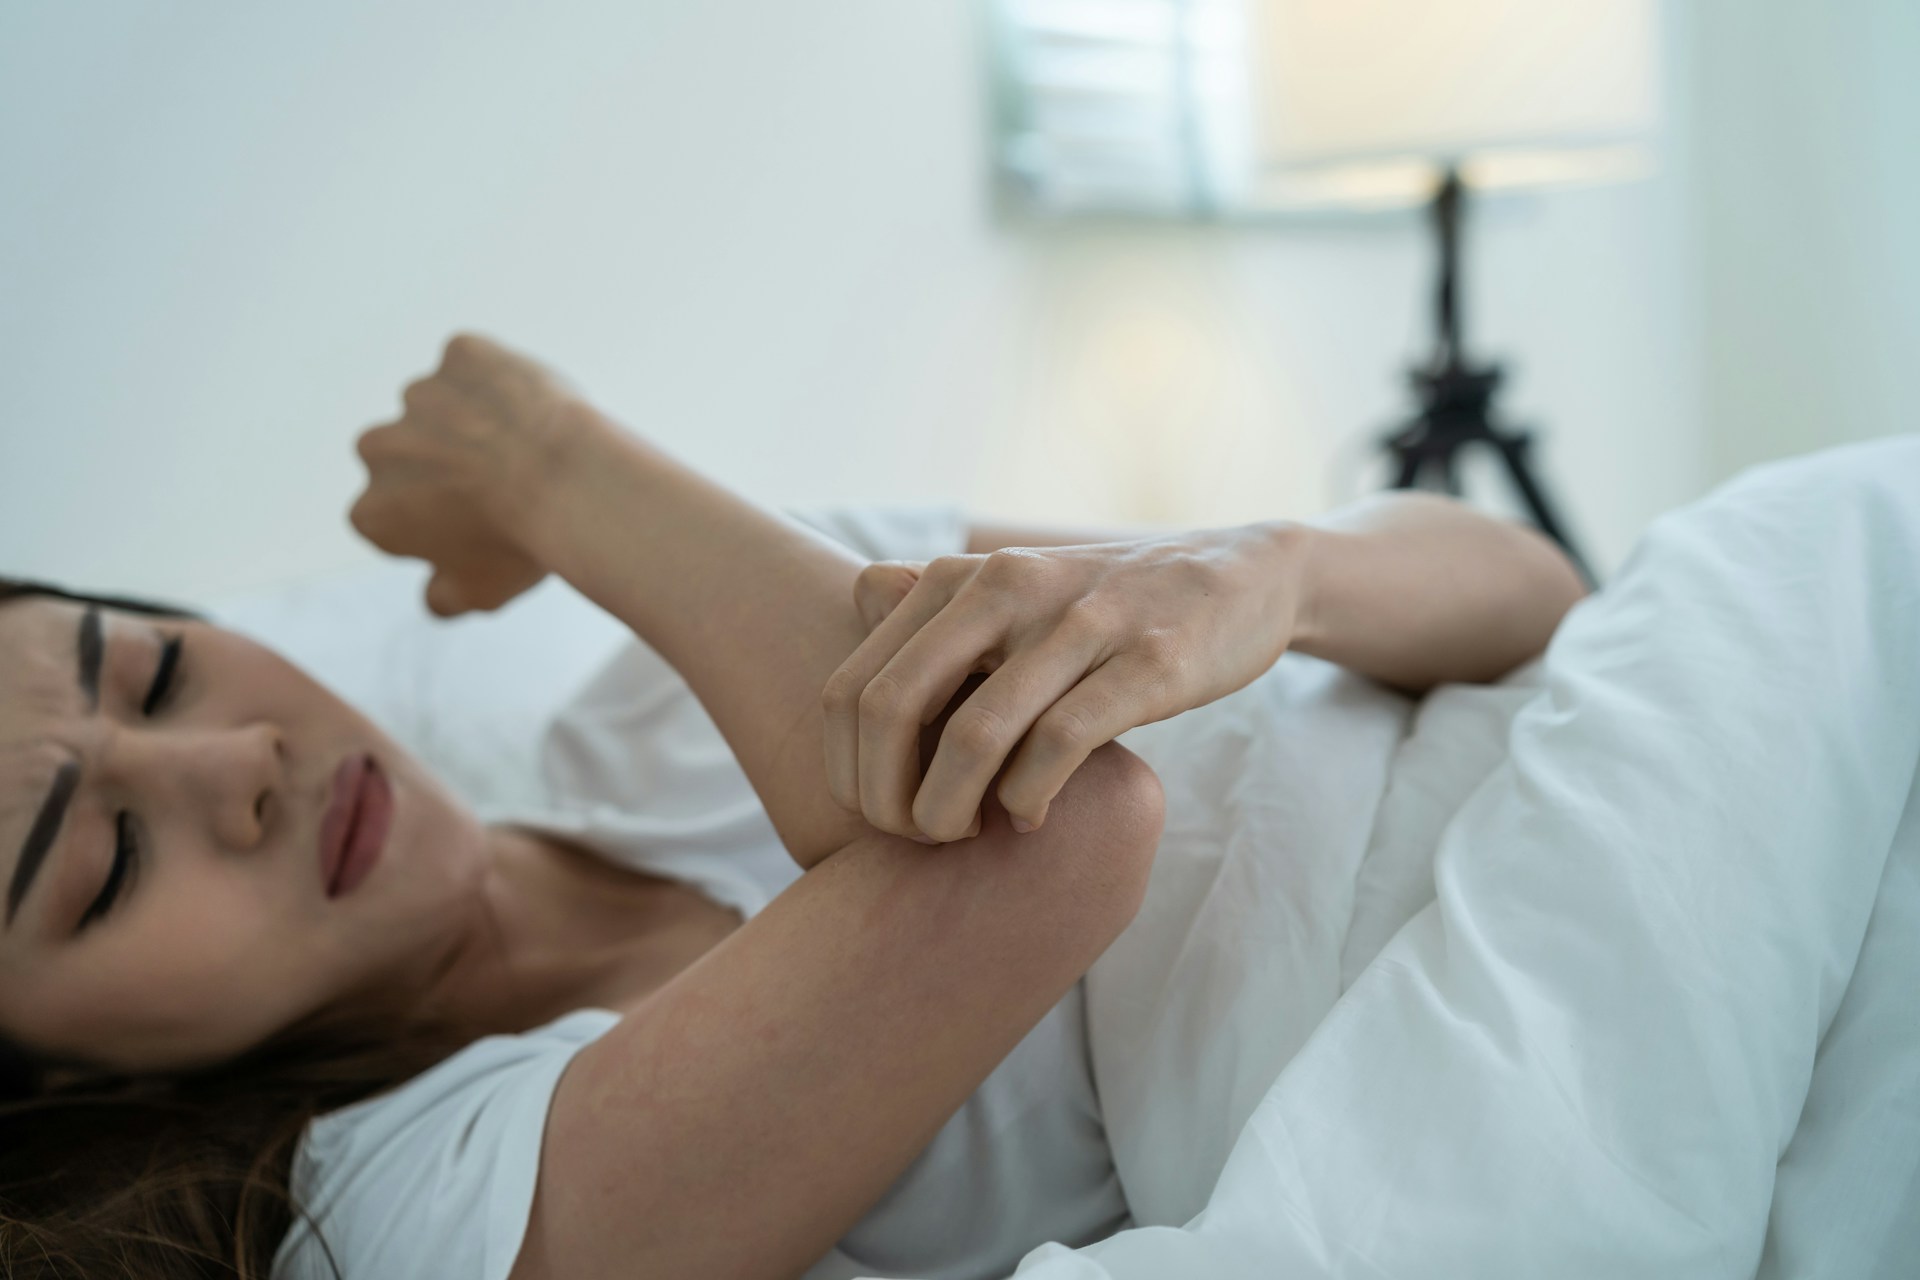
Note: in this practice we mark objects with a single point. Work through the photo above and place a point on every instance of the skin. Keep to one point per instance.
(222, 933)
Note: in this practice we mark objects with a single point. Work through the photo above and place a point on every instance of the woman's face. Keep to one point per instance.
(218, 930)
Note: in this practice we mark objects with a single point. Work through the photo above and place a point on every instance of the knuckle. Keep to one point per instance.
(1011, 568)
(1064, 730)
(425, 397)
(461, 348)
(364, 517)
(884, 580)
(1159, 651)
(881, 700)
(842, 691)
(979, 733)
(1000, 564)
(1085, 617)
(952, 569)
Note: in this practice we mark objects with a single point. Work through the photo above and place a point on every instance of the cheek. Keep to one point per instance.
(200, 978)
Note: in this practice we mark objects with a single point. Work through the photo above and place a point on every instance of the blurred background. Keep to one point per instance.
(796, 244)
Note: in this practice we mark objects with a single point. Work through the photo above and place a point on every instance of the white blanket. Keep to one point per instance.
(1608, 948)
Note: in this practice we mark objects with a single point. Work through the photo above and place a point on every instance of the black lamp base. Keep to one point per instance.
(1456, 401)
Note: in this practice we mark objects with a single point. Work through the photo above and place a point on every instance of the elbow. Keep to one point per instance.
(1556, 583)
(1112, 810)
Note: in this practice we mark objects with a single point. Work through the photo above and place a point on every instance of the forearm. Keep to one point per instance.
(1417, 590)
(753, 610)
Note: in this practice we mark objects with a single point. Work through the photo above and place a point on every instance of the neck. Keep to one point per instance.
(551, 930)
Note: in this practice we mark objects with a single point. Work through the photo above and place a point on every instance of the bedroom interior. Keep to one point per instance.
(1599, 967)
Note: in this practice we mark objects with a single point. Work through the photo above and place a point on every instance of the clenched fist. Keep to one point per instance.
(453, 480)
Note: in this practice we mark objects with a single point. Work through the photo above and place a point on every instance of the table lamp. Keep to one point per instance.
(1261, 109)
(1382, 102)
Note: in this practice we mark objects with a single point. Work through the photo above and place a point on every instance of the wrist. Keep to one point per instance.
(1286, 554)
(572, 449)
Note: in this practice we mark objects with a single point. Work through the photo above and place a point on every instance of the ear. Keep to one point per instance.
(881, 587)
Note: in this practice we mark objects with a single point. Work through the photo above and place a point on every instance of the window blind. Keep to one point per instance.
(1119, 106)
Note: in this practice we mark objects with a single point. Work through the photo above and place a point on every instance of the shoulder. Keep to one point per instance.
(435, 1177)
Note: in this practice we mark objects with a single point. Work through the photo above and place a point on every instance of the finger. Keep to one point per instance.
(369, 443)
(467, 355)
(1115, 697)
(881, 587)
(986, 728)
(930, 742)
(431, 400)
(364, 516)
(907, 693)
(445, 598)
(841, 697)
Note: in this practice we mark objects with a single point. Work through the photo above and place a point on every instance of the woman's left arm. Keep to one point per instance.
(1416, 590)
(1083, 642)
(1410, 588)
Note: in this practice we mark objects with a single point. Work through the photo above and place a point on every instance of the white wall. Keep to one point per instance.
(757, 230)
(1807, 223)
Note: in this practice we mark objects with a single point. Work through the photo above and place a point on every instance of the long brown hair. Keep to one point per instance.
(175, 1177)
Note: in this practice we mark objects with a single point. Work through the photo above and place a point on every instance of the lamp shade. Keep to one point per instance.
(1189, 108)
(1372, 95)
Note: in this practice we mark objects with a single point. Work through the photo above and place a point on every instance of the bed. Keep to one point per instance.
(1607, 969)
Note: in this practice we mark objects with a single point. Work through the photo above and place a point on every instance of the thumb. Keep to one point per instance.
(444, 597)
(881, 587)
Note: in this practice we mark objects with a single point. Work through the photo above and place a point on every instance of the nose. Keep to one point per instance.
(232, 779)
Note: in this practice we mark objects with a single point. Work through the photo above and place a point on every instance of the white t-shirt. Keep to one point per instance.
(436, 1177)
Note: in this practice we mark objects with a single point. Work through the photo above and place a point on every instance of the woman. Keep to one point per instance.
(236, 905)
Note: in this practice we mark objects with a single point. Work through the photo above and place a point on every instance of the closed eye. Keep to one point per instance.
(126, 856)
(126, 848)
(163, 677)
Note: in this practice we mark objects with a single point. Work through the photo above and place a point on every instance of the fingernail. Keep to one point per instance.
(1022, 825)
(923, 839)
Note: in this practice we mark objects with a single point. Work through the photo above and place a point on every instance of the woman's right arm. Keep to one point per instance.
(498, 473)
(750, 1112)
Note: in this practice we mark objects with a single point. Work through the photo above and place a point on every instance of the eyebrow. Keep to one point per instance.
(92, 649)
(53, 810)
(40, 837)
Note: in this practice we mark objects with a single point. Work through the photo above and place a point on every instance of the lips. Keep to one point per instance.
(354, 828)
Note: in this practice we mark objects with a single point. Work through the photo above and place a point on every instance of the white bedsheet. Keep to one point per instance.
(1607, 953)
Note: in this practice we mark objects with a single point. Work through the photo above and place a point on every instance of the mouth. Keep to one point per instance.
(353, 831)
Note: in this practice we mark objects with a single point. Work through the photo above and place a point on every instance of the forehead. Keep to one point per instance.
(39, 690)
(43, 712)
(39, 660)
(39, 693)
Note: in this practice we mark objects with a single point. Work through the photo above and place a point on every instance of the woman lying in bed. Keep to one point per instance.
(233, 905)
